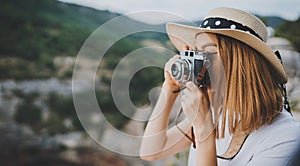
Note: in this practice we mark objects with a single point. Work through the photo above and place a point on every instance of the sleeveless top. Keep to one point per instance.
(271, 144)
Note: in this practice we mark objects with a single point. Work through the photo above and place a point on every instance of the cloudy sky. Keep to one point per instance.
(197, 9)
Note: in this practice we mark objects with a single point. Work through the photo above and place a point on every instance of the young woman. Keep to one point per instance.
(248, 124)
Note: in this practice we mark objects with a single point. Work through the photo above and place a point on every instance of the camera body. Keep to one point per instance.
(190, 66)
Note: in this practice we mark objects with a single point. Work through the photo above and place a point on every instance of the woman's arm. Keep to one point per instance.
(196, 106)
(206, 145)
(159, 142)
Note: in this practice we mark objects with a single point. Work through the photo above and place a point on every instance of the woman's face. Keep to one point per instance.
(208, 42)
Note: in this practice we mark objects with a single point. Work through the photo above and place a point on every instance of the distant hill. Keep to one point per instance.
(34, 27)
(272, 21)
(33, 32)
(290, 30)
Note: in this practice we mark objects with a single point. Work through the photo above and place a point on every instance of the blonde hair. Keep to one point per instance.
(252, 98)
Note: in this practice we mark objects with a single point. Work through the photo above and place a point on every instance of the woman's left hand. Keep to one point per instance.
(196, 107)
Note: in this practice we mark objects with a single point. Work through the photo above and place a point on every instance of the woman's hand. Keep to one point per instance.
(170, 84)
(196, 107)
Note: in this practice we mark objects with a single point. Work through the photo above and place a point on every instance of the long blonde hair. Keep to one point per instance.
(252, 98)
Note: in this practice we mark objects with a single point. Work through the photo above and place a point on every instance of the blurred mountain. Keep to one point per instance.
(33, 27)
(290, 30)
(33, 32)
(272, 21)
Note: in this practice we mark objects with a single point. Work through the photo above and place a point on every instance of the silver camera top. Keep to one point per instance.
(199, 55)
(188, 54)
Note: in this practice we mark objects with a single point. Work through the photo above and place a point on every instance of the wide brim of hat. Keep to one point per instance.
(182, 35)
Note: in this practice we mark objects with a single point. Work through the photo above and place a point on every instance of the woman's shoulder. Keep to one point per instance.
(284, 130)
(270, 144)
(283, 123)
(274, 144)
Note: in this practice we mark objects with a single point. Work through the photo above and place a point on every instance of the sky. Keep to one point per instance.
(195, 10)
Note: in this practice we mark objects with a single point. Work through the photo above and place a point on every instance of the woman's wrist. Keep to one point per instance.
(203, 127)
(168, 91)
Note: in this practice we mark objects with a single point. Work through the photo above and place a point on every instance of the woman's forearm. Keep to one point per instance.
(155, 132)
(206, 151)
(205, 141)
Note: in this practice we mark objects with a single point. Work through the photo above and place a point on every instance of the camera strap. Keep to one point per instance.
(283, 87)
(237, 141)
(201, 74)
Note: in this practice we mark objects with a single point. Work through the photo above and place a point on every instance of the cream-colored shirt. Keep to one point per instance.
(270, 145)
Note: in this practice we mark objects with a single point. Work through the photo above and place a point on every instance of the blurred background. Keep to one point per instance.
(39, 42)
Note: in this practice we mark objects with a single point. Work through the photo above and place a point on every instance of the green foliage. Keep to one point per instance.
(129, 44)
(27, 97)
(35, 31)
(61, 105)
(142, 82)
(19, 69)
(294, 104)
(290, 30)
(109, 109)
(119, 50)
(54, 124)
(27, 112)
(61, 109)
(34, 27)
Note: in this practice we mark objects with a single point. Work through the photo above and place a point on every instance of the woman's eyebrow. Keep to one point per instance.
(206, 45)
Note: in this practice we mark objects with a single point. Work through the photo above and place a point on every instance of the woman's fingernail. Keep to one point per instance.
(186, 47)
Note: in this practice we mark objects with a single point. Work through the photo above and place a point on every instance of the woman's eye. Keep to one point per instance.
(210, 49)
(210, 53)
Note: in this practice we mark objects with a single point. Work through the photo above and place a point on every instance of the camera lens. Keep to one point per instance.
(176, 70)
(186, 71)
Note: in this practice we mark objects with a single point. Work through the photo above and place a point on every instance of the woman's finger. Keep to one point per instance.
(191, 86)
(169, 64)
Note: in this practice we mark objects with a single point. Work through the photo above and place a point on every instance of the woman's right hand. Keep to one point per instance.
(170, 84)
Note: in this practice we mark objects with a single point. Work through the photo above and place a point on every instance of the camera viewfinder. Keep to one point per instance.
(192, 53)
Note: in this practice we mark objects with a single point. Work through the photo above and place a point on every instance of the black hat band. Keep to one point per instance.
(221, 23)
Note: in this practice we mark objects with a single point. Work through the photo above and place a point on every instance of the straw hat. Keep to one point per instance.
(233, 23)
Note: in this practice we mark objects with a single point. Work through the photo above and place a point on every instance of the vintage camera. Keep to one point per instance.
(191, 66)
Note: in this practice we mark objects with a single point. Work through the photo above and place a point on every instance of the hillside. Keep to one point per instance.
(37, 29)
(33, 32)
(34, 27)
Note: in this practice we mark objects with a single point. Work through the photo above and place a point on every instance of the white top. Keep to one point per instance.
(270, 145)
